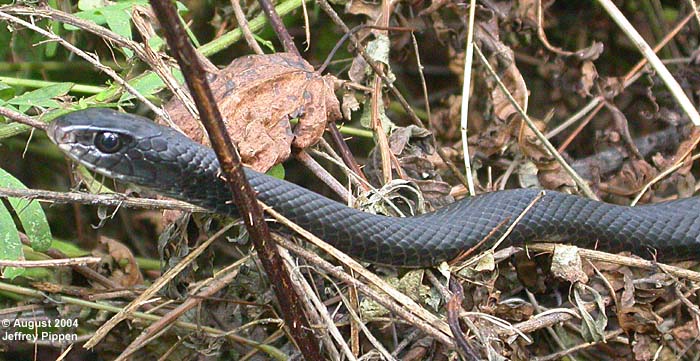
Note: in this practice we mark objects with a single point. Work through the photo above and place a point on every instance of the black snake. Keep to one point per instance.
(135, 150)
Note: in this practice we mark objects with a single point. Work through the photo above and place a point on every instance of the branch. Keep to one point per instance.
(243, 194)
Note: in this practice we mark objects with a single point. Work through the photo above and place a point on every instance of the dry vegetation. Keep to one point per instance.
(559, 97)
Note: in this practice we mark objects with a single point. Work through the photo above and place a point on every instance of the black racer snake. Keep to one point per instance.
(133, 149)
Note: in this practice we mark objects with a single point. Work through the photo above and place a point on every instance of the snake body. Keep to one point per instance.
(135, 150)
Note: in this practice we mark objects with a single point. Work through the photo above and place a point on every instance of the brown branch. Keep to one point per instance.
(278, 26)
(55, 262)
(245, 29)
(21, 118)
(115, 200)
(453, 309)
(324, 176)
(344, 150)
(243, 194)
(624, 261)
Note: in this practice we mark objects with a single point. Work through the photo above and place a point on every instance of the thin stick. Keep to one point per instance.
(276, 22)
(466, 87)
(77, 261)
(114, 200)
(243, 24)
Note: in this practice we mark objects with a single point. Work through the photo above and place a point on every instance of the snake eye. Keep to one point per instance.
(108, 142)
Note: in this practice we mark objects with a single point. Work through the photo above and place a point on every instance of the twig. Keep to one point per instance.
(77, 261)
(324, 176)
(466, 91)
(215, 286)
(406, 309)
(320, 311)
(243, 24)
(681, 161)
(414, 313)
(423, 84)
(87, 272)
(454, 306)
(21, 118)
(101, 306)
(344, 151)
(243, 194)
(278, 26)
(159, 283)
(353, 177)
(115, 200)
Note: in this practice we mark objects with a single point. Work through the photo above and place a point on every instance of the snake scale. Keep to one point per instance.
(133, 149)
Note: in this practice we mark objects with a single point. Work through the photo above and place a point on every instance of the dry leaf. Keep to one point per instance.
(350, 104)
(567, 265)
(588, 76)
(373, 10)
(257, 96)
(514, 82)
(129, 274)
(515, 311)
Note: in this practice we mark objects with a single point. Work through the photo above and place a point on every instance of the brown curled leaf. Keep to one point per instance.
(127, 274)
(258, 95)
(514, 82)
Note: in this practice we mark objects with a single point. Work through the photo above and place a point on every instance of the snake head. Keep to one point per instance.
(122, 146)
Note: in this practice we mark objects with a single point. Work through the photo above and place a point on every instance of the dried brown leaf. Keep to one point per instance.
(128, 274)
(633, 176)
(257, 96)
(515, 312)
(589, 74)
(515, 84)
(555, 178)
(373, 10)
(350, 104)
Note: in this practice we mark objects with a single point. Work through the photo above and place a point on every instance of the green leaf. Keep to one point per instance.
(42, 97)
(6, 91)
(156, 43)
(119, 21)
(30, 214)
(10, 244)
(94, 10)
(85, 5)
(69, 249)
(146, 85)
(277, 171)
